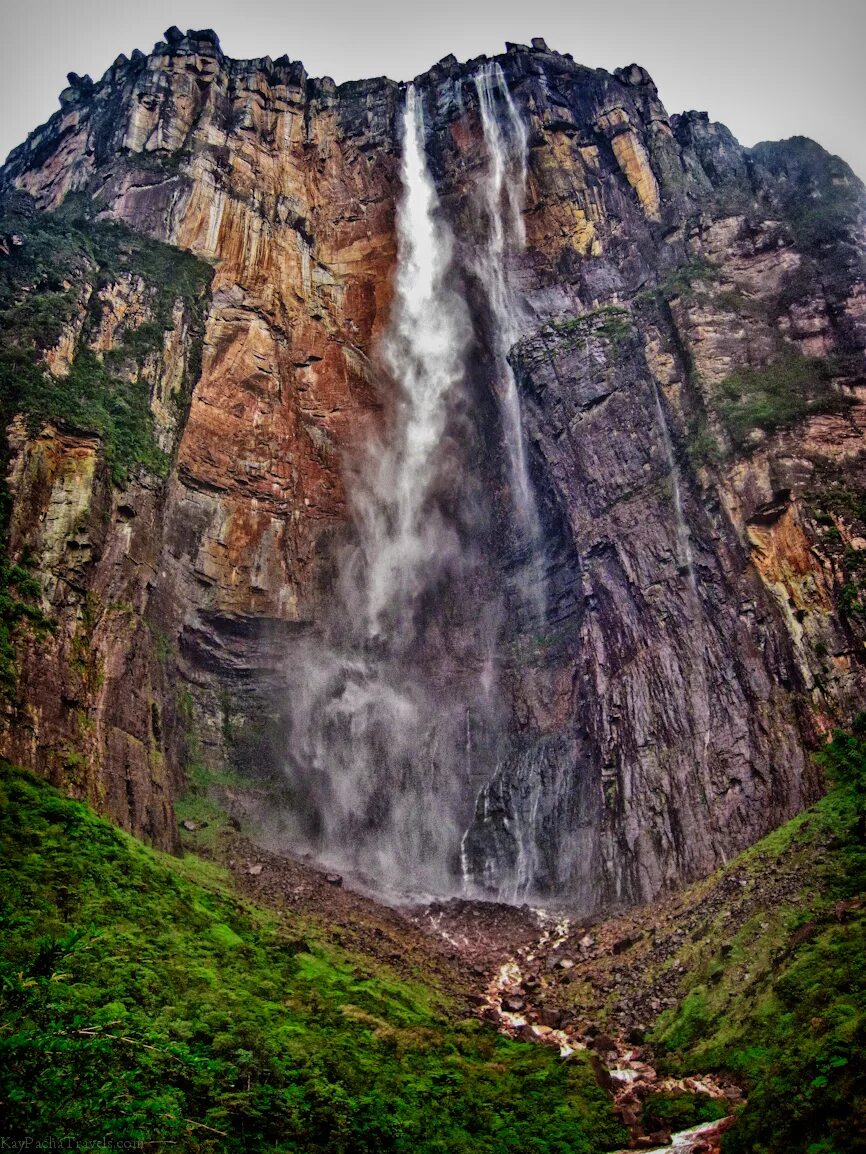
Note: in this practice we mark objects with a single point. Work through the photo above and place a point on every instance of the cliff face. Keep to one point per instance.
(689, 362)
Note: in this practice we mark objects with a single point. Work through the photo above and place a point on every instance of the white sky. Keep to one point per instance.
(766, 68)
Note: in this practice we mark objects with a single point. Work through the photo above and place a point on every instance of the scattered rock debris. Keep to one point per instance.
(513, 1001)
(518, 968)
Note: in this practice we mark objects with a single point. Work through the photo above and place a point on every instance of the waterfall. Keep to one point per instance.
(685, 557)
(398, 718)
(698, 680)
(423, 351)
(525, 835)
(501, 194)
(390, 707)
(511, 864)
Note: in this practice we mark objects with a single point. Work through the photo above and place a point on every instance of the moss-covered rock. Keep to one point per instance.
(53, 284)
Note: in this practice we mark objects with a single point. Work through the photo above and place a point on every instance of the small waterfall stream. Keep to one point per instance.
(697, 680)
(685, 557)
(501, 194)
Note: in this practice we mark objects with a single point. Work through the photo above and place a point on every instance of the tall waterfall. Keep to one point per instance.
(395, 703)
(399, 719)
(501, 193)
(509, 866)
(424, 352)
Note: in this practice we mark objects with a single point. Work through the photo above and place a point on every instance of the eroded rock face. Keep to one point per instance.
(676, 694)
(92, 708)
(694, 645)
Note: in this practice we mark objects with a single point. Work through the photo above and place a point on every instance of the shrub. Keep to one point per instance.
(680, 1111)
(843, 760)
(20, 592)
(778, 394)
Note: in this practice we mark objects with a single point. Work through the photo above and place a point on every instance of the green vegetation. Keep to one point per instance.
(610, 321)
(851, 599)
(616, 324)
(782, 392)
(50, 280)
(89, 400)
(674, 1112)
(837, 496)
(781, 1001)
(202, 804)
(52, 277)
(20, 595)
(844, 762)
(830, 496)
(821, 197)
(797, 285)
(142, 1000)
(702, 445)
(735, 301)
(685, 281)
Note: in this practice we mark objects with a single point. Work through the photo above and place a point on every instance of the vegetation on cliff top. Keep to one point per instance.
(821, 199)
(52, 268)
(141, 999)
(50, 280)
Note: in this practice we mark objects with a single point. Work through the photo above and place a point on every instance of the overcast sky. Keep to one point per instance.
(766, 68)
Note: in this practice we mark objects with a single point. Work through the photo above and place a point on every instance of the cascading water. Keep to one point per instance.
(501, 194)
(508, 866)
(396, 703)
(398, 714)
(685, 558)
(424, 352)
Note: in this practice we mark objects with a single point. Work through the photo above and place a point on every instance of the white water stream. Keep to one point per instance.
(501, 193)
(397, 711)
(685, 556)
(424, 352)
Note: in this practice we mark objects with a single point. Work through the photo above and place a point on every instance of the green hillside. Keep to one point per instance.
(142, 1000)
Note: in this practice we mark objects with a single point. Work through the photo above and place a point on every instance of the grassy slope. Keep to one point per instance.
(773, 984)
(142, 999)
(756, 973)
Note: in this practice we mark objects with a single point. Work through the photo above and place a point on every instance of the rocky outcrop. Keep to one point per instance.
(699, 632)
(670, 674)
(94, 701)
